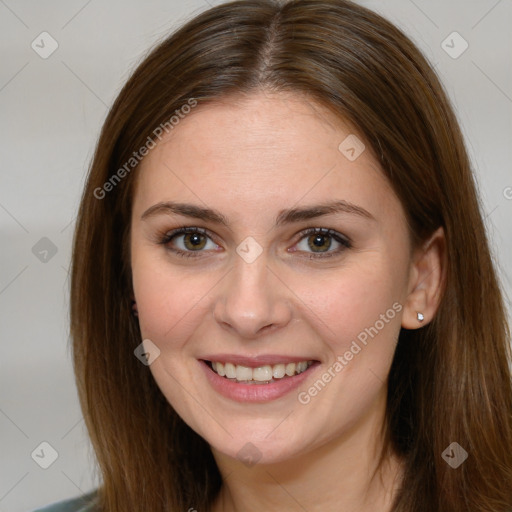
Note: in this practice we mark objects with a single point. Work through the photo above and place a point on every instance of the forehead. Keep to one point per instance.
(260, 153)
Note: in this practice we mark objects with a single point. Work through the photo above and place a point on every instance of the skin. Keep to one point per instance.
(249, 158)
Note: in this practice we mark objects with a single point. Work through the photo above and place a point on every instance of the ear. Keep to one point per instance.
(426, 281)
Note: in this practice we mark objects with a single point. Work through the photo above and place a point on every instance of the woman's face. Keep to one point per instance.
(257, 283)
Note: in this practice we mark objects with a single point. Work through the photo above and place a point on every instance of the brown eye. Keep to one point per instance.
(319, 241)
(188, 241)
(194, 241)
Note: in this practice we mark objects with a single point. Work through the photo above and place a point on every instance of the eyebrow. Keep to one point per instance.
(287, 216)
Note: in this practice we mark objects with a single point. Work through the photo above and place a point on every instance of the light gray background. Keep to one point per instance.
(51, 113)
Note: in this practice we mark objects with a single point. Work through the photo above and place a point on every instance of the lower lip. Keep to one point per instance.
(255, 392)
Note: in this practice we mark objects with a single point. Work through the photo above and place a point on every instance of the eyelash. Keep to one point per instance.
(166, 238)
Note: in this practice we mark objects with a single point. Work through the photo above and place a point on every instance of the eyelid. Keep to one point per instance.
(166, 236)
(344, 241)
(341, 238)
(169, 234)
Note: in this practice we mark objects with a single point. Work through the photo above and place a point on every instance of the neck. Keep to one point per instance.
(342, 474)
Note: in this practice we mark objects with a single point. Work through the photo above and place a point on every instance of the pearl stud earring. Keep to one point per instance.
(420, 317)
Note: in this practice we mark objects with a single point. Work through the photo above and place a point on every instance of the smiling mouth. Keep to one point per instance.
(265, 374)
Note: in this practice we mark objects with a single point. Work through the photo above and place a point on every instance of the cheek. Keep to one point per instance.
(357, 314)
(360, 304)
(168, 301)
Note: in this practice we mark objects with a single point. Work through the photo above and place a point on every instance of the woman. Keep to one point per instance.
(282, 292)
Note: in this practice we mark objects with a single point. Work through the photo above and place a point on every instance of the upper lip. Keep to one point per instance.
(255, 361)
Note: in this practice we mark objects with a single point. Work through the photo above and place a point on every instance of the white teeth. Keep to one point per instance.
(220, 369)
(290, 369)
(243, 373)
(261, 374)
(278, 371)
(302, 366)
(230, 371)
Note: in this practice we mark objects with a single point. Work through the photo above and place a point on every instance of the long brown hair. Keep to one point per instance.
(450, 381)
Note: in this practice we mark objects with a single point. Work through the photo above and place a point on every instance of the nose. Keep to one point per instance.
(252, 300)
